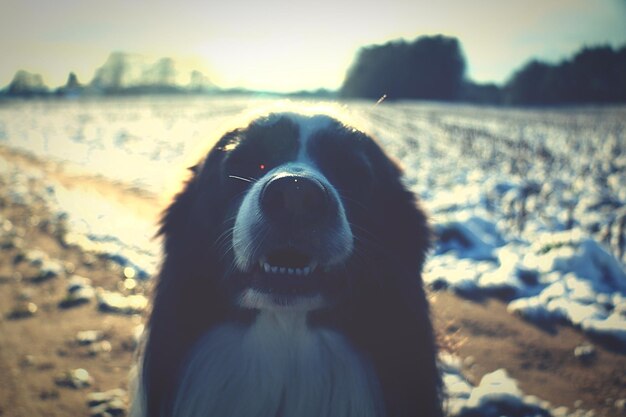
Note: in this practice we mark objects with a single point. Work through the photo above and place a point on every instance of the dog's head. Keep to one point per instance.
(287, 204)
(301, 214)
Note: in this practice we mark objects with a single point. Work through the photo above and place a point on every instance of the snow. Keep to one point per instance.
(93, 222)
(526, 205)
(496, 395)
(100, 225)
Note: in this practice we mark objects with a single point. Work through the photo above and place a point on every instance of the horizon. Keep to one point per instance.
(296, 46)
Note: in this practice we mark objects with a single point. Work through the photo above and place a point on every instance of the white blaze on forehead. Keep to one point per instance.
(308, 126)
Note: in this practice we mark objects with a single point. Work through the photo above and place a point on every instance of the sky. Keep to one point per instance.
(288, 45)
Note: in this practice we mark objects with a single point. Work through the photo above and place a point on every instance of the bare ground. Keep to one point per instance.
(36, 350)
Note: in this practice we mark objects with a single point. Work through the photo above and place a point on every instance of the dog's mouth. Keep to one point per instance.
(288, 272)
(287, 279)
(287, 262)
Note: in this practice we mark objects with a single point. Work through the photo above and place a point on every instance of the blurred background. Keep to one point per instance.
(509, 119)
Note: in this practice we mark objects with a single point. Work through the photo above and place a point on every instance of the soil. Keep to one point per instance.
(35, 350)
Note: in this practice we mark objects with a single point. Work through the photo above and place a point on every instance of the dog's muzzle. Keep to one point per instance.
(291, 222)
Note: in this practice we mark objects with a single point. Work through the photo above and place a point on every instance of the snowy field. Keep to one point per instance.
(528, 205)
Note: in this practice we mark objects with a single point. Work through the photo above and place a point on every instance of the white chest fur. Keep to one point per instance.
(278, 367)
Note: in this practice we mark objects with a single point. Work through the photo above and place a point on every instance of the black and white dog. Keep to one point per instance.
(291, 283)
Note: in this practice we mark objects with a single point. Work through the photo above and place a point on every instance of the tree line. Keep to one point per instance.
(427, 68)
(433, 68)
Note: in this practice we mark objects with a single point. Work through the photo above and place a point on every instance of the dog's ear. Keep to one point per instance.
(397, 215)
(186, 297)
(393, 326)
(175, 219)
(194, 212)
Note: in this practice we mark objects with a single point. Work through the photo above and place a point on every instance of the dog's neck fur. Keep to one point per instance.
(277, 367)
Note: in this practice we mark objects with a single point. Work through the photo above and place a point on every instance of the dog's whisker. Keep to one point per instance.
(224, 236)
(237, 177)
(343, 196)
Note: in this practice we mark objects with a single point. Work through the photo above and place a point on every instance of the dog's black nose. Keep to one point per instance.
(295, 200)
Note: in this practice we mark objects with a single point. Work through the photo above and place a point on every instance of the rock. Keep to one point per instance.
(108, 403)
(75, 378)
(22, 310)
(103, 346)
(96, 398)
(49, 269)
(88, 337)
(560, 412)
(79, 291)
(35, 257)
(76, 282)
(585, 353)
(114, 302)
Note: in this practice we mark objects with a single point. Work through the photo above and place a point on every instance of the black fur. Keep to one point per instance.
(380, 303)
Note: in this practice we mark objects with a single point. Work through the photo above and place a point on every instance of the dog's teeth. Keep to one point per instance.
(304, 271)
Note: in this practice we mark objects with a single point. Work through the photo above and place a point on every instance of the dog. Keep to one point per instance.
(291, 282)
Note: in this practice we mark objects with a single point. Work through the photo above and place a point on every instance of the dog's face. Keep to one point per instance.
(290, 194)
(302, 214)
(290, 230)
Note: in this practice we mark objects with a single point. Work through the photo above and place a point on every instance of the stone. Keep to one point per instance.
(586, 353)
(114, 302)
(49, 269)
(104, 346)
(74, 378)
(96, 398)
(79, 291)
(87, 337)
(109, 403)
(35, 257)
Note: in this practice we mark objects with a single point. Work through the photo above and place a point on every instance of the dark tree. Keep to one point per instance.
(593, 75)
(427, 68)
(529, 85)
